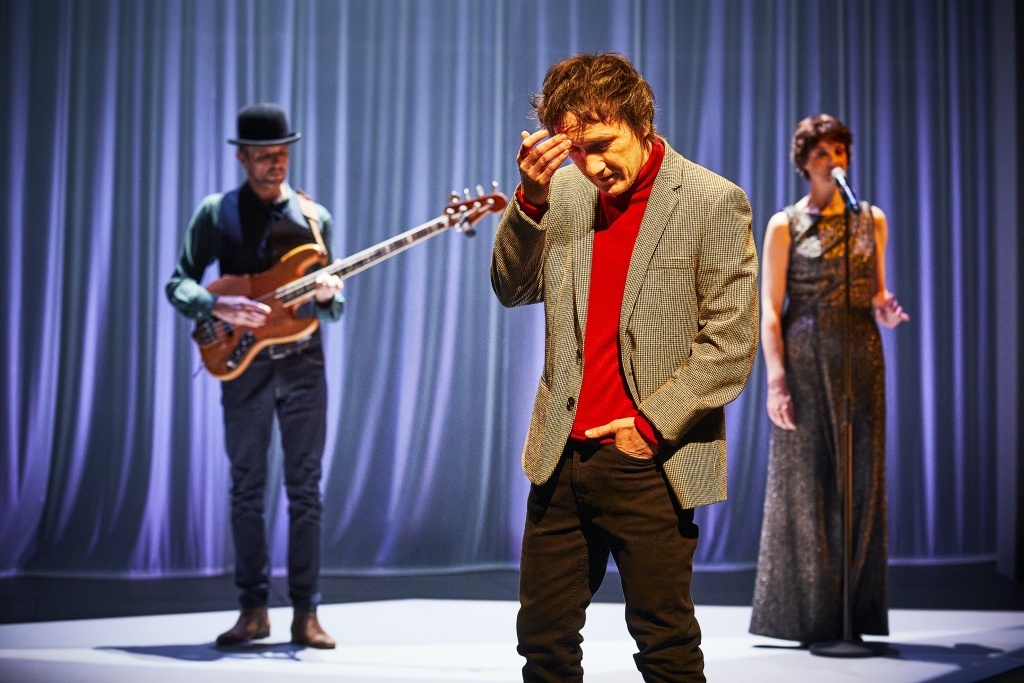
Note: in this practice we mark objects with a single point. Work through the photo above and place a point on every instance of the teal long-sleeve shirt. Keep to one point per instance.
(239, 248)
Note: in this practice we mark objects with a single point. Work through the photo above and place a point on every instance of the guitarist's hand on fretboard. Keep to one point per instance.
(240, 311)
(327, 285)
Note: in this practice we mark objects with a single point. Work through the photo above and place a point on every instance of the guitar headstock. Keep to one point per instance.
(464, 211)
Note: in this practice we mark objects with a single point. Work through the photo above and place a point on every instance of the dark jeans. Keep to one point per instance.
(295, 389)
(601, 501)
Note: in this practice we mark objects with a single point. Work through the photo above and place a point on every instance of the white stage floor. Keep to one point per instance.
(402, 641)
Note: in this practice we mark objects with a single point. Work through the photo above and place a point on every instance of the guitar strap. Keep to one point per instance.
(309, 211)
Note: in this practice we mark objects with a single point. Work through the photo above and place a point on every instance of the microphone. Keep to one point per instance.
(839, 175)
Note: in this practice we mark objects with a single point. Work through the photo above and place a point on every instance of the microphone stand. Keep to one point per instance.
(849, 646)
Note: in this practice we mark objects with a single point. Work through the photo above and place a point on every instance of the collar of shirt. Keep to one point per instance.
(644, 180)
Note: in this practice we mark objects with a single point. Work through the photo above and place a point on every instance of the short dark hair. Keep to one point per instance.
(813, 130)
(597, 88)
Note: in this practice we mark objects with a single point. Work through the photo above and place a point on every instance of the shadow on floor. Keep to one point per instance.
(209, 652)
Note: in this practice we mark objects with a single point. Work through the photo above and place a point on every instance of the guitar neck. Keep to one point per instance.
(304, 287)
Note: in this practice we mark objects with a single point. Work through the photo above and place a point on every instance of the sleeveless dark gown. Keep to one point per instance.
(798, 590)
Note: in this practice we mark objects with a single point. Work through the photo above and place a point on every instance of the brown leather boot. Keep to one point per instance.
(252, 623)
(306, 630)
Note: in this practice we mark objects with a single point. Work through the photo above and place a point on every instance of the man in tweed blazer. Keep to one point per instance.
(646, 266)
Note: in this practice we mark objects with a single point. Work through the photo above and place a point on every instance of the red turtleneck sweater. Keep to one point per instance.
(604, 395)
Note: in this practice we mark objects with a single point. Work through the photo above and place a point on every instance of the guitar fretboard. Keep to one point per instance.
(305, 286)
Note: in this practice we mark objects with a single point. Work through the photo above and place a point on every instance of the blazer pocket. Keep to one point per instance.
(662, 262)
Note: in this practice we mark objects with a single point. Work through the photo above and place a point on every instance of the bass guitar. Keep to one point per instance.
(227, 350)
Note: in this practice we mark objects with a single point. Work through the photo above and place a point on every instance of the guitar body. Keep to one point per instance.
(228, 350)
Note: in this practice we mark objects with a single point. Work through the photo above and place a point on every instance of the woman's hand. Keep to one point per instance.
(780, 404)
(888, 312)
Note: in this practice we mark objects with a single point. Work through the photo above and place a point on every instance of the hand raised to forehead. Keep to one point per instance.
(539, 157)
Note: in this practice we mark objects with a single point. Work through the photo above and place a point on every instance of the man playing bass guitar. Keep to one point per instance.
(247, 231)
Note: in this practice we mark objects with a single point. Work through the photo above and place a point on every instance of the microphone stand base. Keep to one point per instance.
(848, 649)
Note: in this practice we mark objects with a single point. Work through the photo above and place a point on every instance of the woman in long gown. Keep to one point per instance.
(798, 590)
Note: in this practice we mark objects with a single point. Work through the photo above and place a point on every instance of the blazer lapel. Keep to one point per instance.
(583, 248)
(660, 207)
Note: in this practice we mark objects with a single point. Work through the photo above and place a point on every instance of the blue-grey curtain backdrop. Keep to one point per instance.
(114, 118)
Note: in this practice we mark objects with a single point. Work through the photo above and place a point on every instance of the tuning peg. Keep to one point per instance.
(479, 190)
(466, 192)
(454, 196)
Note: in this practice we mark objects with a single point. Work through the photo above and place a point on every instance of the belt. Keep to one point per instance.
(278, 351)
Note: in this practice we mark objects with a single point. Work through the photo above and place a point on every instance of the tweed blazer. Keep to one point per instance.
(687, 327)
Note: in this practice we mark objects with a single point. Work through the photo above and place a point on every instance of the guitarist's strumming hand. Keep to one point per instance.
(240, 311)
(327, 285)
(538, 160)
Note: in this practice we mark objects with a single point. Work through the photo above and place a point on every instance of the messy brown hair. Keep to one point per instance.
(601, 88)
(813, 130)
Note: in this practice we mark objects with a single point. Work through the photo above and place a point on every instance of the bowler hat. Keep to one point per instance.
(263, 124)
